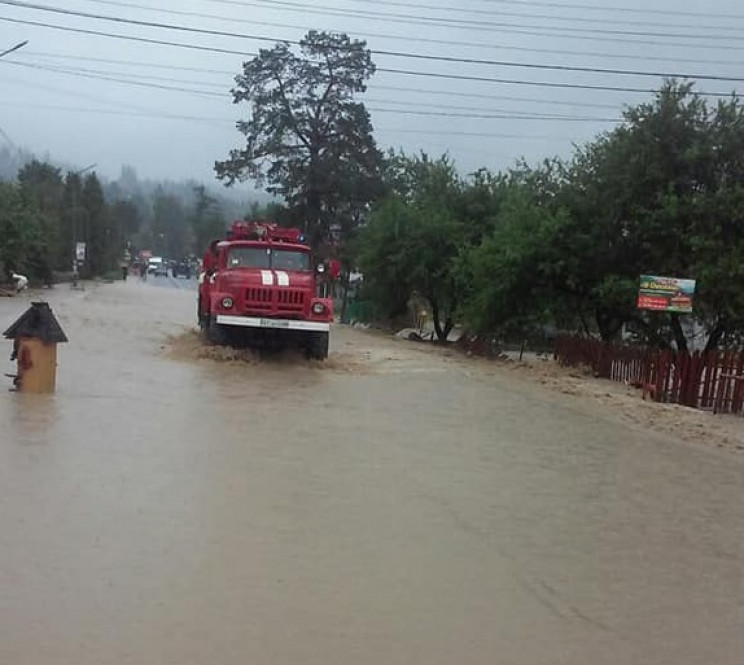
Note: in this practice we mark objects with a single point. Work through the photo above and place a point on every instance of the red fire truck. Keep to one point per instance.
(258, 287)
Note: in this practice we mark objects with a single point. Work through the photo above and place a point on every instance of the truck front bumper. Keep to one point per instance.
(281, 324)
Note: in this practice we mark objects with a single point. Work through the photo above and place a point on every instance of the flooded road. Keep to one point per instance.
(395, 506)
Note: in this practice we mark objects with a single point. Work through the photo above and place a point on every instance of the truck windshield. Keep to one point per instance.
(283, 259)
(259, 257)
(249, 257)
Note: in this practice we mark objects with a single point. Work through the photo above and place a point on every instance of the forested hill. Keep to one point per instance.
(233, 203)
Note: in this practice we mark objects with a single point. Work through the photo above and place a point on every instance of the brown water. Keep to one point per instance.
(394, 506)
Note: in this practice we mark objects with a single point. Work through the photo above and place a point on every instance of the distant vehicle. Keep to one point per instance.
(258, 287)
(182, 268)
(157, 266)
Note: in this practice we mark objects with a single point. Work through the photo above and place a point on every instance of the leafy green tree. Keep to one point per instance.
(170, 231)
(275, 212)
(307, 138)
(206, 218)
(125, 221)
(125, 218)
(73, 220)
(412, 238)
(659, 194)
(20, 233)
(43, 183)
(717, 237)
(102, 242)
(508, 280)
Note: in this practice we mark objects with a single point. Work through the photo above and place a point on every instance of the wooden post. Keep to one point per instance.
(35, 337)
(37, 366)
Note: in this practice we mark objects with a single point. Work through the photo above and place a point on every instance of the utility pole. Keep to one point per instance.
(6, 52)
(75, 266)
(13, 48)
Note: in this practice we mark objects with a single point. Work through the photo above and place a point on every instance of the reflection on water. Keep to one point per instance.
(30, 419)
(176, 504)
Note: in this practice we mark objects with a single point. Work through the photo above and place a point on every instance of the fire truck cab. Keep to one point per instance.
(258, 287)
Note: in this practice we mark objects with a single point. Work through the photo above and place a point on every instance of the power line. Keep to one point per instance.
(119, 112)
(479, 28)
(500, 98)
(12, 49)
(126, 77)
(478, 114)
(404, 72)
(215, 120)
(425, 40)
(493, 116)
(605, 8)
(129, 21)
(459, 107)
(550, 17)
(540, 84)
(396, 54)
(462, 24)
(228, 120)
(139, 63)
(140, 80)
(375, 86)
(46, 87)
(114, 79)
(129, 38)
(526, 137)
(222, 33)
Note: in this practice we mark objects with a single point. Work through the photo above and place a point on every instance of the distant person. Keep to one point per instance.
(21, 282)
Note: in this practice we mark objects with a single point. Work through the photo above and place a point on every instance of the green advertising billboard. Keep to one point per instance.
(666, 294)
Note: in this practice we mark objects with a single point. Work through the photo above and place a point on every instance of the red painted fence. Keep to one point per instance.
(712, 380)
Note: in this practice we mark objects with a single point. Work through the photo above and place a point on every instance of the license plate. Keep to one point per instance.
(273, 323)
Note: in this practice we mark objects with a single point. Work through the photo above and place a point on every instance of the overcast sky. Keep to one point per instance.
(167, 110)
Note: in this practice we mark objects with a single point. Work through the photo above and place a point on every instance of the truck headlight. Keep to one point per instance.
(227, 302)
(319, 308)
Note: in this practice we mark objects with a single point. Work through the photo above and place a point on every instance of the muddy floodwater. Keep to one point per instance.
(394, 506)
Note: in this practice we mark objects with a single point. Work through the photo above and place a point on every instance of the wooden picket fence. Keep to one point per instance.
(712, 380)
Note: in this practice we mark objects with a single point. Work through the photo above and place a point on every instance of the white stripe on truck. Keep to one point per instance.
(267, 278)
(282, 278)
(284, 324)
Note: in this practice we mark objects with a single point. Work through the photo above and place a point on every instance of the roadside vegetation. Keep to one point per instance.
(562, 245)
(45, 211)
(554, 246)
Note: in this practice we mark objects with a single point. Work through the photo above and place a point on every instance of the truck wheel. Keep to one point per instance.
(216, 333)
(317, 346)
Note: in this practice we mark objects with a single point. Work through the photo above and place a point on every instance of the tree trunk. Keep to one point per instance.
(607, 324)
(679, 335)
(653, 337)
(442, 332)
(435, 317)
(714, 339)
(312, 225)
(345, 297)
(449, 323)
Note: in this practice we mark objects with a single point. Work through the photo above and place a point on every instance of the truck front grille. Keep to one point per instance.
(256, 298)
(290, 300)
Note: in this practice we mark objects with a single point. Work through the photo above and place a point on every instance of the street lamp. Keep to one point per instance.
(75, 241)
(13, 48)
